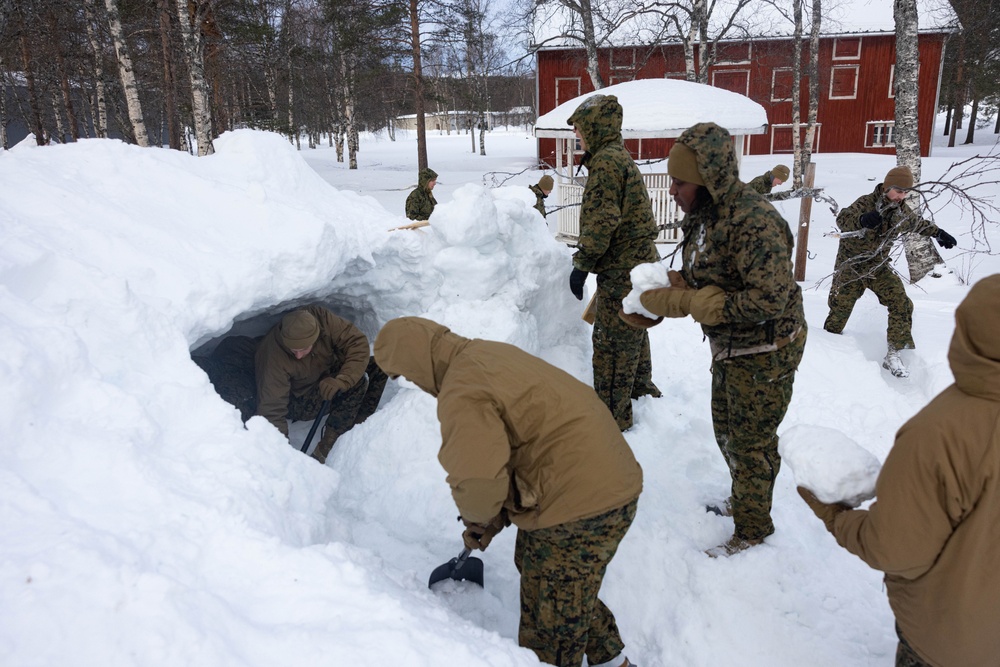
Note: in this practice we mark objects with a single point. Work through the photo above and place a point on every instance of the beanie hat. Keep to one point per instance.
(546, 182)
(299, 330)
(683, 164)
(780, 172)
(898, 177)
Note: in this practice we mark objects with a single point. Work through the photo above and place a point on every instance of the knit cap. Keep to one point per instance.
(898, 177)
(683, 164)
(780, 172)
(545, 182)
(299, 330)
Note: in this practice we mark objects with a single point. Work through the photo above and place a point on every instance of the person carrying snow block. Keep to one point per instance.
(871, 225)
(313, 356)
(617, 232)
(420, 203)
(542, 190)
(933, 528)
(770, 179)
(737, 283)
(523, 442)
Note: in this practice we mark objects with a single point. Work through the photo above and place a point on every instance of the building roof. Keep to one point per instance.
(760, 20)
(664, 108)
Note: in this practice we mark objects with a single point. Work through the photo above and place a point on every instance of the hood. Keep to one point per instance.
(420, 350)
(425, 176)
(713, 147)
(975, 347)
(599, 119)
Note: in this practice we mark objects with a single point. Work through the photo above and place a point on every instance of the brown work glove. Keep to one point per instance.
(827, 512)
(330, 387)
(704, 305)
(479, 536)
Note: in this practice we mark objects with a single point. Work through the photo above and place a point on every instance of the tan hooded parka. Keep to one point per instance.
(517, 433)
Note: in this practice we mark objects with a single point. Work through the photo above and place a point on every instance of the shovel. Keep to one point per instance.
(462, 567)
(312, 431)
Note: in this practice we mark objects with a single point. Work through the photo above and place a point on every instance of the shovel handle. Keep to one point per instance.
(312, 431)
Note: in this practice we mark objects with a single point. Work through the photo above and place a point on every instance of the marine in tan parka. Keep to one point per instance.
(934, 528)
(736, 281)
(617, 232)
(525, 442)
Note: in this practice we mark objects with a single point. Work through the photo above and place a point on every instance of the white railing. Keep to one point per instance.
(664, 209)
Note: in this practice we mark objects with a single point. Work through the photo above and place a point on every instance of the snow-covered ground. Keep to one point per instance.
(141, 524)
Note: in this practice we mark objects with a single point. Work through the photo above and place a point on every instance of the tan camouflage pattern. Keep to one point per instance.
(864, 262)
(539, 199)
(617, 229)
(562, 568)
(905, 655)
(420, 203)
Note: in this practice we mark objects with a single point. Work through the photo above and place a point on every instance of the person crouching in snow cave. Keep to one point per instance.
(420, 203)
(872, 223)
(617, 232)
(934, 528)
(313, 356)
(526, 443)
(542, 190)
(737, 282)
(770, 179)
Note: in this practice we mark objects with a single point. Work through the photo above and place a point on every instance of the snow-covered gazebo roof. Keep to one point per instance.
(664, 108)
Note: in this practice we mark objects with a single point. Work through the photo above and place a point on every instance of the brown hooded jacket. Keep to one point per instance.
(517, 433)
(935, 528)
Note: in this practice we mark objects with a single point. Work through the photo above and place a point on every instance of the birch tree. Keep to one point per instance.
(127, 73)
(100, 104)
(194, 50)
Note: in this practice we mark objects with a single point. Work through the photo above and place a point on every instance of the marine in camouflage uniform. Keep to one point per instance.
(737, 265)
(541, 191)
(524, 442)
(617, 232)
(765, 182)
(420, 203)
(864, 262)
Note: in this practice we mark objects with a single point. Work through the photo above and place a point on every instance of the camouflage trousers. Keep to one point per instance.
(750, 395)
(847, 288)
(347, 408)
(623, 369)
(561, 569)
(905, 655)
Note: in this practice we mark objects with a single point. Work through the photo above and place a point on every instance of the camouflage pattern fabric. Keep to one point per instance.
(621, 359)
(890, 292)
(420, 203)
(762, 184)
(539, 199)
(864, 262)
(347, 408)
(905, 655)
(561, 569)
(750, 395)
(617, 229)
(230, 368)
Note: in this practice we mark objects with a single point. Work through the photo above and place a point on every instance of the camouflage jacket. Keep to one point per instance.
(868, 252)
(420, 204)
(539, 199)
(740, 243)
(617, 226)
(763, 183)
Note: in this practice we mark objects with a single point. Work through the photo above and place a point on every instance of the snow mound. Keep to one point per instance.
(828, 463)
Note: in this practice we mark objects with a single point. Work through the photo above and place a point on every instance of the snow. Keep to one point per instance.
(828, 463)
(142, 524)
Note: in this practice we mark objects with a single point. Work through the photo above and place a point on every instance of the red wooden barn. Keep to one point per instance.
(856, 106)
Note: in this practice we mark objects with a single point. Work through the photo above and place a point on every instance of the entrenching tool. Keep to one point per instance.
(461, 567)
(315, 426)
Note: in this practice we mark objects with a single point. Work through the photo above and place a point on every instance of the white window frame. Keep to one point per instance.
(578, 81)
(881, 129)
(857, 75)
(816, 137)
(746, 90)
(774, 77)
(856, 56)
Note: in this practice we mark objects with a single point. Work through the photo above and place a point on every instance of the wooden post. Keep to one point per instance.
(802, 240)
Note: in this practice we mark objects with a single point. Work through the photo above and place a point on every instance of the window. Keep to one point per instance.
(734, 80)
(844, 82)
(781, 138)
(781, 84)
(847, 48)
(567, 89)
(623, 59)
(620, 77)
(880, 134)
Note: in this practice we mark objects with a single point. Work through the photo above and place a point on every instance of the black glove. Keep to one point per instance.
(576, 280)
(945, 240)
(871, 219)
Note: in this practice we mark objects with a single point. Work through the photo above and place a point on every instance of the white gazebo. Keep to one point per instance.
(652, 109)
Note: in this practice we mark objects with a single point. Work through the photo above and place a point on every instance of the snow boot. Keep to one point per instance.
(894, 364)
(733, 545)
(325, 445)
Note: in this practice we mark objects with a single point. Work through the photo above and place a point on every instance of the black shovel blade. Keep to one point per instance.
(461, 568)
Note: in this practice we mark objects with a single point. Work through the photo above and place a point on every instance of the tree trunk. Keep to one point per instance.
(194, 51)
(100, 101)
(127, 74)
(590, 44)
(67, 97)
(972, 121)
(418, 86)
(797, 162)
(958, 85)
(29, 79)
(813, 73)
(482, 135)
(921, 255)
(169, 79)
(947, 119)
(347, 78)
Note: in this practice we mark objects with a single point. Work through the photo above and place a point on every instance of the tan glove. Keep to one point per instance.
(827, 512)
(479, 536)
(704, 305)
(330, 387)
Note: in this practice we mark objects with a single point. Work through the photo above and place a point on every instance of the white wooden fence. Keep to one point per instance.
(665, 211)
